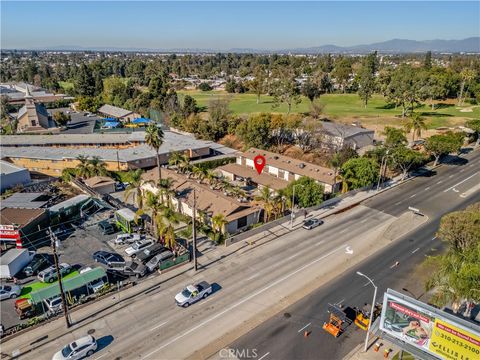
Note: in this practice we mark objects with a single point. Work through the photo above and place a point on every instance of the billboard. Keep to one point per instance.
(428, 329)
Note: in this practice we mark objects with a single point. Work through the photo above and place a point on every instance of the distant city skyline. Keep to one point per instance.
(226, 25)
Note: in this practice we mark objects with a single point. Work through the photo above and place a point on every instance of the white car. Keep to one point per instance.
(78, 349)
(193, 293)
(126, 238)
(53, 304)
(9, 291)
(312, 223)
(49, 275)
(138, 246)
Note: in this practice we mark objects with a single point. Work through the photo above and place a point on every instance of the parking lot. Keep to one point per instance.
(80, 123)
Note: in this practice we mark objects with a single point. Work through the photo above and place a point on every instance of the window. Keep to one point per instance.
(34, 123)
(242, 222)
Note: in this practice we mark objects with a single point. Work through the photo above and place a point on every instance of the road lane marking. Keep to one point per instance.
(462, 170)
(398, 203)
(439, 182)
(255, 275)
(338, 303)
(101, 356)
(342, 231)
(244, 300)
(395, 264)
(450, 176)
(320, 242)
(413, 196)
(470, 191)
(434, 238)
(461, 182)
(414, 251)
(305, 327)
(364, 220)
(264, 355)
(367, 283)
(427, 188)
(156, 327)
(294, 255)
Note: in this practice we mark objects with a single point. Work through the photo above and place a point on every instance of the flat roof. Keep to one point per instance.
(10, 255)
(70, 202)
(114, 110)
(126, 213)
(73, 139)
(20, 217)
(25, 200)
(343, 130)
(9, 168)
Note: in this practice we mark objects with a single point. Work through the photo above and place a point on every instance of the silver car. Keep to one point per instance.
(9, 291)
(312, 223)
(78, 349)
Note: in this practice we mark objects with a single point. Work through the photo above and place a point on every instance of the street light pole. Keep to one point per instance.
(293, 204)
(53, 239)
(371, 311)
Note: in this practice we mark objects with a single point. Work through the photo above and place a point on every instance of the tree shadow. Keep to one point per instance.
(454, 160)
(434, 114)
(443, 106)
(422, 172)
(386, 107)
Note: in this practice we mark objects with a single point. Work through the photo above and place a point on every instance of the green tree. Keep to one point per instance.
(439, 145)
(83, 169)
(84, 83)
(474, 124)
(134, 187)
(97, 167)
(403, 89)
(285, 89)
(204, 87)
(266, 197)
(342, 72)
(405, 159)
(311, 90)
(153, 204)
(218, 224)
(467, 75)
(428, 60)
(394, 137)
(257, 85)
(366, 85)
(359, 172)
(255, 132)
(415, 124)
(154, 139)
(307, 192)
(61, 118)
(189, 106)
(114, 91)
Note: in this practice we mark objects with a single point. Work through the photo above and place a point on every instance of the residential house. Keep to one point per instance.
(101, 184)
(340, 135)
(118, 113)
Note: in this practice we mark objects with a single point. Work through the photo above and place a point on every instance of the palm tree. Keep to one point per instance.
(83, 169)
(211, 177)
(166, 186)
(265, 197)
(199, 173)
(175, 158)
(467, 76)
(135, 187)
(169, 237)
(153, 204)
(218, 224)
(97, 167)
(415, 123)
(154, 139)
(184, 163)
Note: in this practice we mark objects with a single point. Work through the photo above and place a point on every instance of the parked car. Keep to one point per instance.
(155, 262)
(9, 291)
(132, 268)
(312, 223)
(127, 238)
(53, 304)
(91, 115)
(96, 286)
(150, 252)
(78, 349)
(50, 274)
(106, 227)
(38, 262)
(193, 293)
(108, 258)
(138, 246)
(119, 186)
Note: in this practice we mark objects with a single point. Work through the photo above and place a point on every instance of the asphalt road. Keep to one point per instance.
(282, 337)
(253, 282)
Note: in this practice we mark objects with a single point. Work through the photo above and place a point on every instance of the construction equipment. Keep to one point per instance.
(363, 316)
(336, 321)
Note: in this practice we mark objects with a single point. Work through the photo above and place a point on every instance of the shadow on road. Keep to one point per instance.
(104, 341)
(216, 287)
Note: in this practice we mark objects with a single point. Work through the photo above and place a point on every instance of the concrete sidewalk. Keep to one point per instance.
(386, 350)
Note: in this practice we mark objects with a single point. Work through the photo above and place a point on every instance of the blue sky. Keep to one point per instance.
(228, 24)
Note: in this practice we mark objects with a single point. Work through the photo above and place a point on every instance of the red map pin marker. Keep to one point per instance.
(259, 162)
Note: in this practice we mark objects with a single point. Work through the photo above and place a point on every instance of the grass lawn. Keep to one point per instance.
(26, 290)
(66, 85)
(343, 107)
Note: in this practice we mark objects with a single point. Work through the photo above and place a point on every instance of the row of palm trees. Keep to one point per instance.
(89, 167)
(274, 203)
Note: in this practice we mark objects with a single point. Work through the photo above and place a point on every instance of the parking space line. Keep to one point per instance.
(427, 188)
(264, 355)
(413, 196)
(320, 242)
(156, 327)
(303, 328)
(414, 251)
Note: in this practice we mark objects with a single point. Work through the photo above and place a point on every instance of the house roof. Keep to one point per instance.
(292, 165)
(127, 214)
(114, 111)
(69, 203)
(262, 179)
(33, 200)
(20, 217)
(343, 130)
(99, 181)
(9, 168)
(209, 201)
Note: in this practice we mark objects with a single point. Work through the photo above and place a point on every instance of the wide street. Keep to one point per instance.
(253, 284)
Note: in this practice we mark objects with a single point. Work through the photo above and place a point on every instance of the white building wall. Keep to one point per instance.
(273, 170)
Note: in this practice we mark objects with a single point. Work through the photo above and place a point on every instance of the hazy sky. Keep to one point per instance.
(228, 24)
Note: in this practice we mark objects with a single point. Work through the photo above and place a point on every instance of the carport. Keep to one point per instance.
(71, 284)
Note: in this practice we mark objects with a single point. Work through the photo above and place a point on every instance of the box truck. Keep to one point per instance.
(13, 261)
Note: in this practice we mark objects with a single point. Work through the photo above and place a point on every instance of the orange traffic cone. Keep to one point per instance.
(376, 347)
(306, 333)
(386, 352)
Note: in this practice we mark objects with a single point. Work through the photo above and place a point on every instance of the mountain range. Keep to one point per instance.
(394, 46)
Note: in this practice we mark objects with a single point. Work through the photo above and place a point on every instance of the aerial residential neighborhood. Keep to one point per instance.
(213, 180)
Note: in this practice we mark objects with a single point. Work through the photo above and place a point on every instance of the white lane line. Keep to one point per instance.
(264, 355)
(427, 188)
(338, 303)
(258, 292)
(364, 220)
(439, 182)
(398, 203)
(367, 283)
(291, 257)
(461, 182)
(320, 242)
(101, 356)
(470, 191)
(159, 325)
(305, 327)
(255, 275)
(450, 176)
(342, 231)
(462, 170)
(414, 251)
(434, 238)
(413, 196)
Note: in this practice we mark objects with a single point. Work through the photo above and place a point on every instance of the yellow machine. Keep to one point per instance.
(362, 320)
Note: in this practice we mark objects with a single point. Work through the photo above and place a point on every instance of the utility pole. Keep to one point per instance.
(194, 231)
(53, 239)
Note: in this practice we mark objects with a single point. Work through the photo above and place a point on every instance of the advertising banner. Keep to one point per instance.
(427, 330)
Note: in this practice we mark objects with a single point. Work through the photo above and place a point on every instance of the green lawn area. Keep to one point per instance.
(26, 290)
(66, 85)
(347, 107)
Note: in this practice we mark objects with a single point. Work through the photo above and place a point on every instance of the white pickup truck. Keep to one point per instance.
(193, 293)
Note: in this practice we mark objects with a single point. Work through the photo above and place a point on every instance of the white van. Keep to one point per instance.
(54, 304)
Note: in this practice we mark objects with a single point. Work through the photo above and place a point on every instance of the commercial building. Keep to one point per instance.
(12, 175)
(209, 202)
(50, 154)
(23, 226)
(118, 113)
(279, 170)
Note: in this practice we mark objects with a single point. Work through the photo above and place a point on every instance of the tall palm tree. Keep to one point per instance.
(154, 138)
(166, 189)
(97, 166)
(415, 123)
(218, 224)
(169, 237)
(265, 197)
(184, 163)
(467, 76)
(153, 204)
(135, 187)
(83, 169)
(175, 159)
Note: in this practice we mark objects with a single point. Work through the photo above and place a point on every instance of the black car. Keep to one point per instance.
(106, 227)
(108, 258)
(38, 262)
(150, 252)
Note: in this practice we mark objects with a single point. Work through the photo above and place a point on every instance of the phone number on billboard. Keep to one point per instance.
(456, 342)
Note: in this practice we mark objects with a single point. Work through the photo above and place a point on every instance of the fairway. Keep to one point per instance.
(27, 290)
(343, 107)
